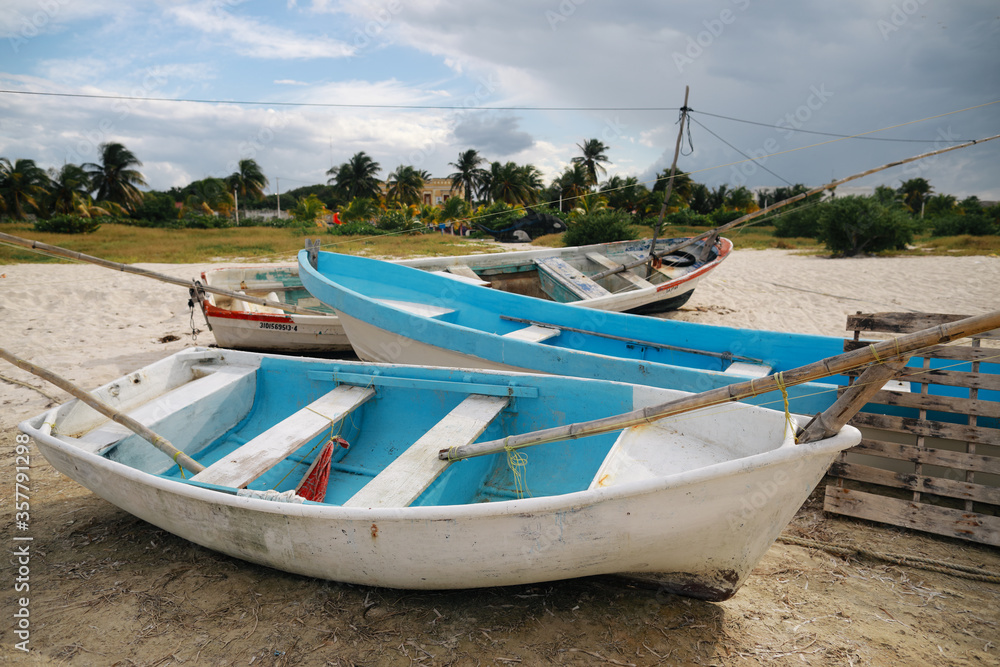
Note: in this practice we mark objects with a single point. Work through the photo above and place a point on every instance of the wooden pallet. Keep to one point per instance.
(933, 462)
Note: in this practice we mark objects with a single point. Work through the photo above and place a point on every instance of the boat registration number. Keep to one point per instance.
(278, 326)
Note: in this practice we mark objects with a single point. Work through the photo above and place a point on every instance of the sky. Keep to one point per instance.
(520, 80)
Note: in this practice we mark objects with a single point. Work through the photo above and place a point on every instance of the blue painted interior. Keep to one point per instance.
(388, 424)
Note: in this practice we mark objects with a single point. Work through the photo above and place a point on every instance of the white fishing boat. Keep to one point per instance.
(555, 274)
(697, 500)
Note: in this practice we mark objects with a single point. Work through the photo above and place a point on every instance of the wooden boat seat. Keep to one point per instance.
(206, 392)
(403, 480)
(570, 278)
(748, 370)
(608, 263)
(259, 455)
(466, 271)
(422, 309)
(533, 333)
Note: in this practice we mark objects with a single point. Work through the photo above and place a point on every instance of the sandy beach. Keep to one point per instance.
(106, 588)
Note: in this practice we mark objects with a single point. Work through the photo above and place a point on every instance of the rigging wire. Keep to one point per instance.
(702, 125)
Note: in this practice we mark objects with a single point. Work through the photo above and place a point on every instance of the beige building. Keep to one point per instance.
(436, 191)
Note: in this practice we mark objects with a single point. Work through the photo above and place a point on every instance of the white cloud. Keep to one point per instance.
(253, 38)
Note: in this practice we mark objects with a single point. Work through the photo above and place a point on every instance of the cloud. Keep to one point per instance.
(492, 135)
(253, 38)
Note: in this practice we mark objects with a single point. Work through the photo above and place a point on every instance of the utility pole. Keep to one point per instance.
(236, 200)
(278, 195)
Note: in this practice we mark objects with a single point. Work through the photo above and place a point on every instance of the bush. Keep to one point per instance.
(355, 228)
(798, 222)
(67, 224)
(852, 225)
(687, 217)
(721, 216)
(956, 225)
(397, 221)
(198, 221)
(601, 227)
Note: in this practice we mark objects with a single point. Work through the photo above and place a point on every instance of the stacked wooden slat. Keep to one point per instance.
(932, 463)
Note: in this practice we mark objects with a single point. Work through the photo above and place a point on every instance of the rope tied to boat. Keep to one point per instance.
(517, 462)
(779, 379)
(179, 466)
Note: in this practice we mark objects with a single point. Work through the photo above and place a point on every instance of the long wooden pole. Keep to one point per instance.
(878, 352)
(784, 202)
(670, 181)
(157, 441)
(128, 268)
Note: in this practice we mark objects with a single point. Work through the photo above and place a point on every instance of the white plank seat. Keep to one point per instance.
(207, 392)
(570, 278)
(421, 309)
(608, 263)
(465, 271)
(749, 370)
(403, 480)
(253, 459)
(533, 333)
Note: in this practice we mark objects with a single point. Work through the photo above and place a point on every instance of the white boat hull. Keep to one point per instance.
(698, 501)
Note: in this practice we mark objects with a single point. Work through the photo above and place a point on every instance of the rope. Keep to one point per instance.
(944, 567)
(517, 461)
(779, 379)
(179, 466)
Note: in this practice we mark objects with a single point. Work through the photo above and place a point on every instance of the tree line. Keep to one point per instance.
(492, 192)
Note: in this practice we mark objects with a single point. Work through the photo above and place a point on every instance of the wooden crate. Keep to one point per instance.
(930, 457)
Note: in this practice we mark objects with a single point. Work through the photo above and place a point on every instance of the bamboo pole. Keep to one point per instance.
(831, 420)
(670, 181)
(784, 202)
(128, 268)
(157, 441)
(877, 353)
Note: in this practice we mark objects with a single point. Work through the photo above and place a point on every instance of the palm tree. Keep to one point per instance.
(248, 180)
(682, 184)
(624, 193)
(592, 159)
(469, 176)
(357, 177)
(514, 184)
(114, 179)
(915, 192)
(69, 192)
(573, 183)
(405, 184)
(360, 209)
(22, 185)
(209, 196)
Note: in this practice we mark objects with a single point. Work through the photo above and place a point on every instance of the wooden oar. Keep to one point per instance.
(157, 441)
(785, 202)
(128, 268)
(885, 351)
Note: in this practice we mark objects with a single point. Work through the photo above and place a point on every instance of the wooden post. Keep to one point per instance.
(829, 422)
(670, 181)
(128, 268)
(784, 202)
(157, 441)
(877, 353)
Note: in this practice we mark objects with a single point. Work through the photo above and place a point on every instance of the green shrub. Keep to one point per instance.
(721, 216)
(198, 221)
(601, 227)
(355, 228)
(687, 217)
(67, 224)
(956, 225)
(798, 223)
(397, 221)
(852, 225)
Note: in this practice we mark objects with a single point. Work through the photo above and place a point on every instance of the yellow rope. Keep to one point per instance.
(779, 379)
(516, 461)
(179, 466)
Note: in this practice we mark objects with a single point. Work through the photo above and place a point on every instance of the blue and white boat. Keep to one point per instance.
(698, 499)
(396, 314)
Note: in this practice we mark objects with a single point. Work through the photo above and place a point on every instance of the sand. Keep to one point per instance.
(106, 588)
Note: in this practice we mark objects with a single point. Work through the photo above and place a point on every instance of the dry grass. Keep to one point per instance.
(123, 243)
